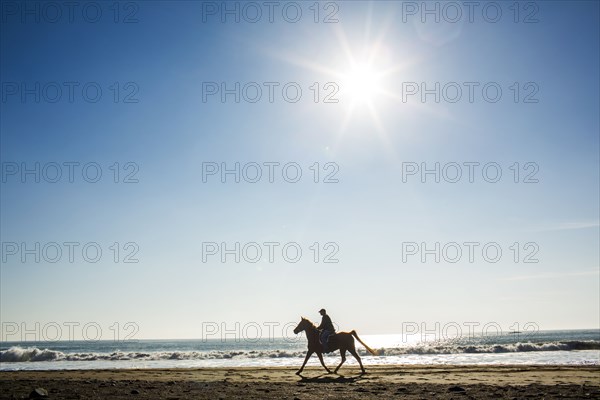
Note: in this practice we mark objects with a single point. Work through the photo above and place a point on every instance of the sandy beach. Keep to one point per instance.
(398, 381)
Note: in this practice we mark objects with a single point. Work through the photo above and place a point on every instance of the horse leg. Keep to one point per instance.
(343, 354)
(305, 361)
(320, 355)
(355, 354)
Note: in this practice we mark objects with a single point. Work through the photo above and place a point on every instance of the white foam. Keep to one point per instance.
(34, 354)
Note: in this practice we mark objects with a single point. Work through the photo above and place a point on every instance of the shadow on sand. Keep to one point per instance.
(331, 378)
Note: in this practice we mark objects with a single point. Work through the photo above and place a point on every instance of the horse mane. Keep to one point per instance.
(310, 322)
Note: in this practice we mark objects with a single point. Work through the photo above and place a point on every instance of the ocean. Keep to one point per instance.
(564, 347)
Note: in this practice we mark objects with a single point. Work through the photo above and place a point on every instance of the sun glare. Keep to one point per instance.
(365, 72)
(361, 84)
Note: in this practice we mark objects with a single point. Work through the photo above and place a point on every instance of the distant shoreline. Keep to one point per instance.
(576, 347)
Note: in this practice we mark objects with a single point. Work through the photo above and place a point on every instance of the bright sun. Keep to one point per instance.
(364, 75)
(361, 84)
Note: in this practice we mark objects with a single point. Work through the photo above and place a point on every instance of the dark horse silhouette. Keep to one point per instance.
(342, 341)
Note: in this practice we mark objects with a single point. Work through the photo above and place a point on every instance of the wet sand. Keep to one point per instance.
(382, 382)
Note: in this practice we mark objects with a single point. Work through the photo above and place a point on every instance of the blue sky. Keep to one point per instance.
(370, 135)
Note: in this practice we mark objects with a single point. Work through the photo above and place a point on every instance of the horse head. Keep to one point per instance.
(304, 323)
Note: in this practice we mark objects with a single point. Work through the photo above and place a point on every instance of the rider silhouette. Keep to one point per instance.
(326, 329)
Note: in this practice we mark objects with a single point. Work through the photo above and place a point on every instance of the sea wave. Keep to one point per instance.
(494, 348)
(34, 354)
(20, 354)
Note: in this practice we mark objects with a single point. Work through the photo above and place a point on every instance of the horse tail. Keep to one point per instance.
(370, 350)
